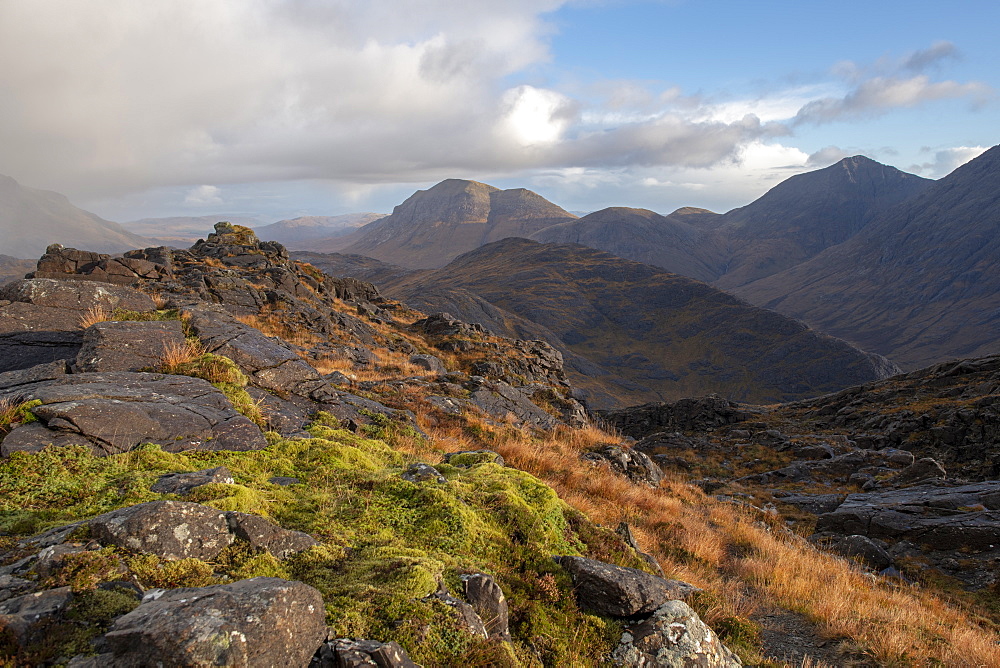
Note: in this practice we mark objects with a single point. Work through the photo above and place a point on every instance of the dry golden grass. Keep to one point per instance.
(176, 355)
(95, 314)
(391, 364)
(742, 556)
(272, 324)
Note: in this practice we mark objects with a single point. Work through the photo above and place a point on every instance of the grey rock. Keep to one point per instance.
(625, 531)
(501, 401)
(11, 587)
(633, 464)
(116, 411)
(266, 536)
(168, 529)
(256, 622)
(31, 335)
(420, 472)
(182, 483)
(673, 637)
(284, 481)
(487, 599)
(683, 415)
(617, 591)
(76, 295)
(862, 549)
(464, 613)
(24, 617)
(127, 346)
(429, 363)
(922, 469)
(351, 653)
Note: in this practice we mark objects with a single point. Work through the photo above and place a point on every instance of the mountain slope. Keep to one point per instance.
(32, 219)
(644, 236)
(919, 283)
(183, 230)
(674, 335)
(433, 226)
(807, 213)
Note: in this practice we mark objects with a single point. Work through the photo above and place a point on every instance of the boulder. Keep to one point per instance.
(861, 549)
(500, 400)
(465, 614)
(182, 483)
(487, 599)
(675, 637)
(617, 591)
(920, 470)
(266, 536)
(420, 472)
(168, 529)
(351, 653)
(127, 346)
(249, 623)
(429, 363)
(633, 464)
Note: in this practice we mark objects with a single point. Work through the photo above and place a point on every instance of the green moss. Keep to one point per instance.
(387, 542)
(153, 572)
(84, 570)
(17, 415)
(145, 316)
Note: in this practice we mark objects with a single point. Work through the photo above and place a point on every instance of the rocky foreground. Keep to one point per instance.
(219, 456)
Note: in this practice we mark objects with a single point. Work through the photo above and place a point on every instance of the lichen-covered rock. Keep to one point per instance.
(168, 529)
(264, 535)
(250, 623)
(420, 472)
(673, 637)
(633, 464)
(429, 363)
(76, 295)
(127, 346)
(351, 653)
(617, 591)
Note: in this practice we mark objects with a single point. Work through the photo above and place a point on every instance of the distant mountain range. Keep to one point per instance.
(32, 219)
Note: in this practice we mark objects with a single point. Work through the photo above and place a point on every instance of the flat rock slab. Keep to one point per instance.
(182, 483)
(32, 335)
(256, 622)
(117, 411)
(940, 517)
(76, 295)
(127, 346)
(617, 591)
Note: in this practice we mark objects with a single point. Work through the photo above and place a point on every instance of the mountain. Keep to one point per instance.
(305, 231)
(919, 283)
(435, 225)
(672, 335)
(12, 268)
(807, 213)
(644, 236)
(184, 230)
(32, 219)
(792, 222)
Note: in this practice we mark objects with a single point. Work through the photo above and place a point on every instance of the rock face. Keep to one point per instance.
(683, 415)
(257, 622)
(117, 411)
(127, 346)
(621, 592)
(40, 318)
(673, 637)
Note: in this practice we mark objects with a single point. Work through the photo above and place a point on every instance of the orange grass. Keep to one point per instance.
(742, 556)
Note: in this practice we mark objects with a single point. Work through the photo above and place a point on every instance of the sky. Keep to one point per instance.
(281, 108)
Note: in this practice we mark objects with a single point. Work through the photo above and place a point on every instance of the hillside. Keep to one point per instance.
(918, 283)
(435, 225)
(181, 231)
(641, 235)
(32, 219)
(672, 335)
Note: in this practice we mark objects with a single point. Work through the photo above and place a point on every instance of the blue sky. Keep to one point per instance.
(323, 107)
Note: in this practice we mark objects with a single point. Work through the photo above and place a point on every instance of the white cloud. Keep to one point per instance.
(536, 116)
(203, 196)
(947, 160)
